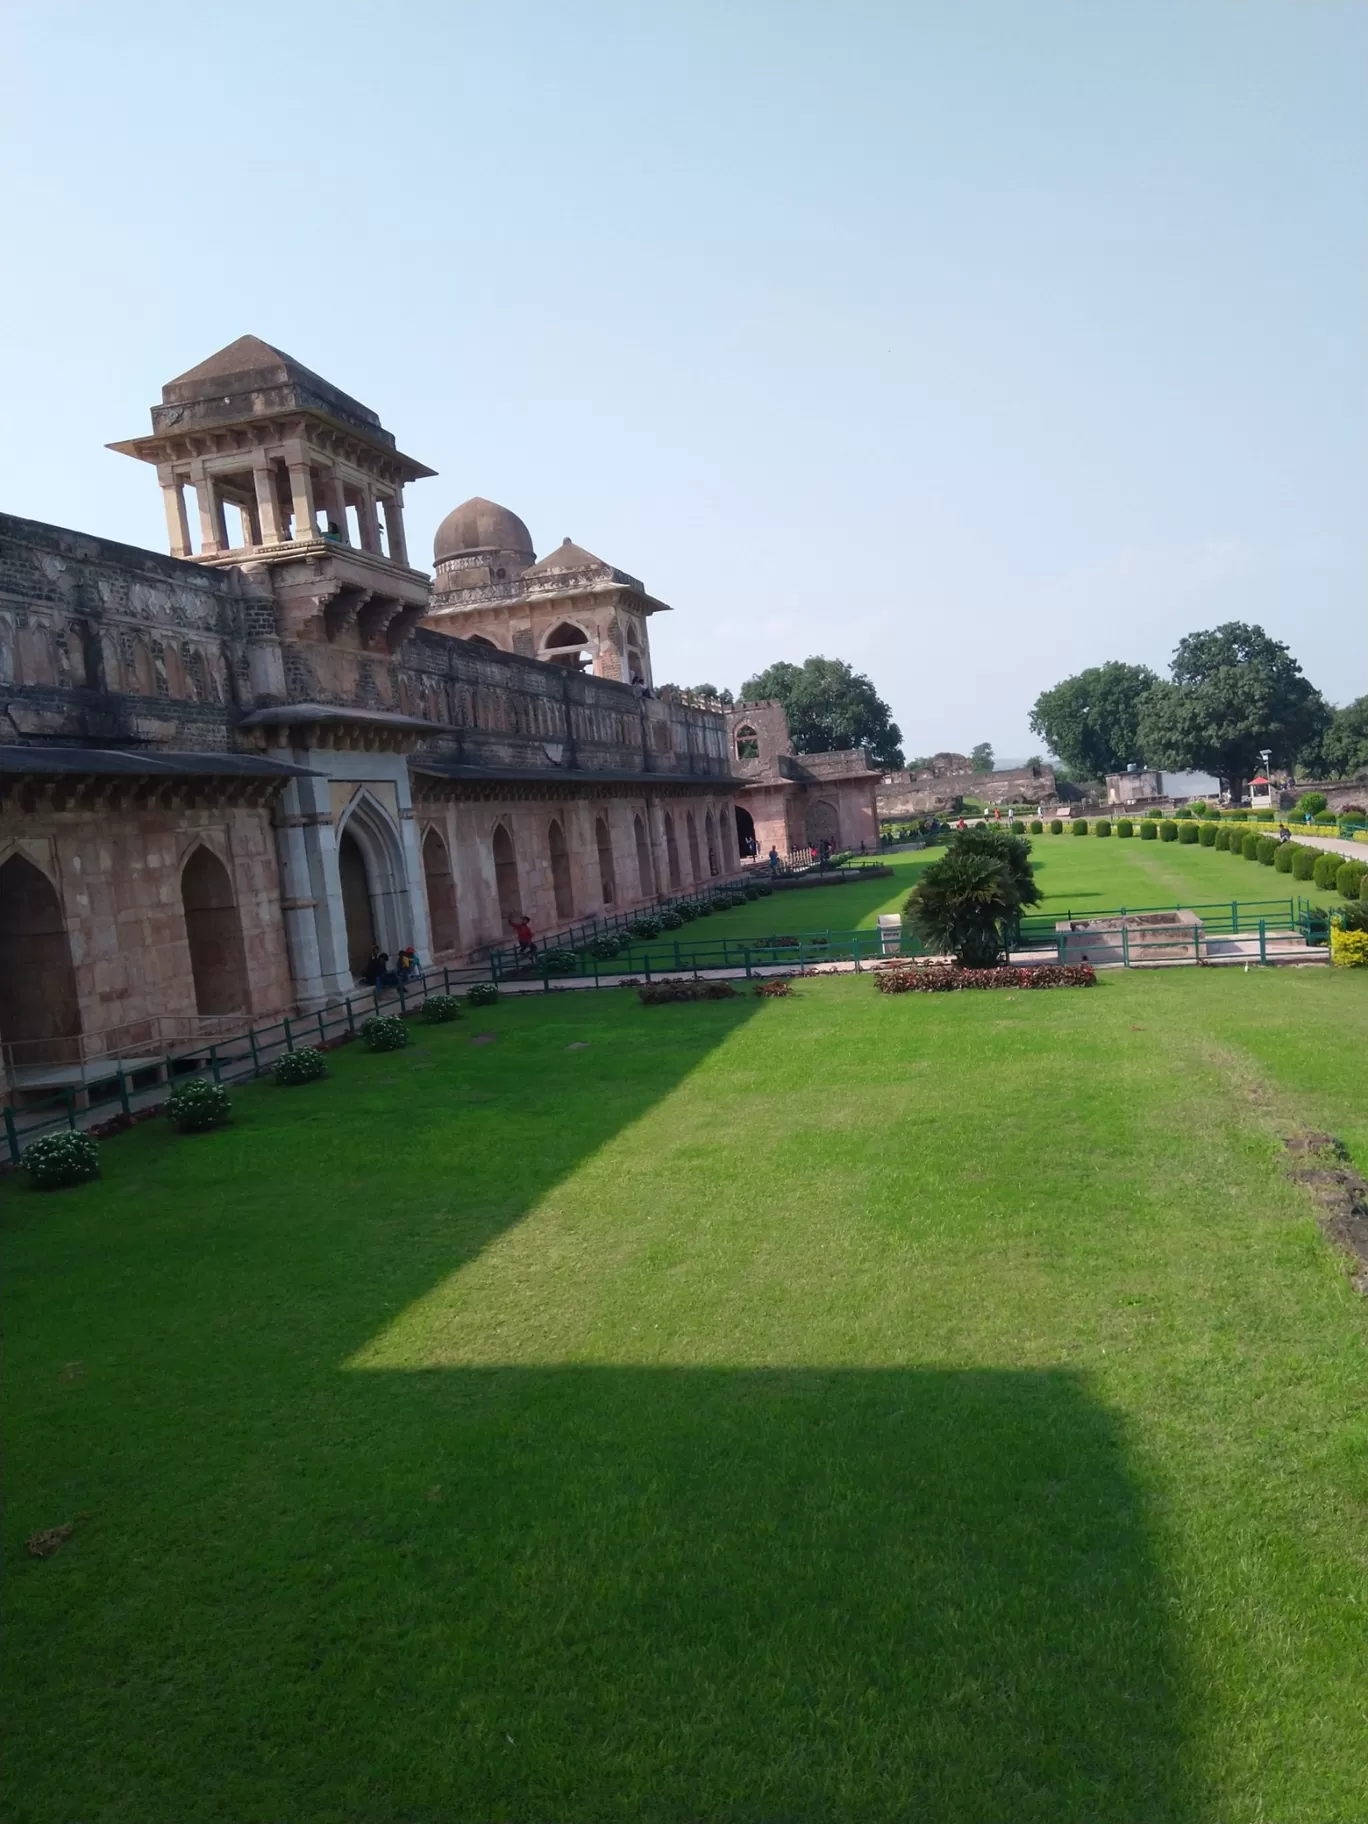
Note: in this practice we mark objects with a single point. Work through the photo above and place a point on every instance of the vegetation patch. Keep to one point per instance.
(657, 994)
(55, 1161)
(945, 978)
(196, 1106)
(307, 1065)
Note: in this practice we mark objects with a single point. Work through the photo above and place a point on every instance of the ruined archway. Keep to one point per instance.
(213, 930)
(40, 1014)
(441, 894)
(568, 647)
(747, 743)
(506, 874)
(607, 875)
(745, 832)
(672, 853)
(560, 870)
(645, 863)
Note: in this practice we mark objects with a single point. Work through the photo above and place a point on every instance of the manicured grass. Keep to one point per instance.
(845, 1407)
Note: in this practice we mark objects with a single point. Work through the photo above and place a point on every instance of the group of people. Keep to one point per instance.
(378, 974)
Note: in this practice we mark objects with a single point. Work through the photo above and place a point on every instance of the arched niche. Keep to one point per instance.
(370, 863)
(441, 893)
(645, 862)
(603, 841)
(40, 1013)
(823, 823)
(745, 832)
(213, 930)
(672, 853)
(560, 869)
(506, 874)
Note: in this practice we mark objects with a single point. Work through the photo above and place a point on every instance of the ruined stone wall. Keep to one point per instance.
(917, 794)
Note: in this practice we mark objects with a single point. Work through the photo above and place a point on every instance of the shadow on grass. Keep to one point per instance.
(625, 1594)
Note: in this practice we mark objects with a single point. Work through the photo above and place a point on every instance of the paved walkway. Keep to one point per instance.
(1339, 845)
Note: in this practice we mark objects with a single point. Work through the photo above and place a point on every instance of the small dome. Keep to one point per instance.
(480, 525)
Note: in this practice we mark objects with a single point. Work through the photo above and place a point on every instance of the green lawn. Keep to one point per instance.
(846, 1408)
(1077, 874)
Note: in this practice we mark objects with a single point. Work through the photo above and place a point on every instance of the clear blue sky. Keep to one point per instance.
(972, 341)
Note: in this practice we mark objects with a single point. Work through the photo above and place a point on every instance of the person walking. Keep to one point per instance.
(527, 950)
(773, 861)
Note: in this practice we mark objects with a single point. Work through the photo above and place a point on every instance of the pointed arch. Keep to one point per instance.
(370, 863)
(506, 873)
(443, 913)
(40, 1011)
(710, 833)
(560, 869)
(747, 742)
(745, 832)
(645, 860)
(672, 853)
(213, 930)
(607, 875)
(823, 823)
(694, 862)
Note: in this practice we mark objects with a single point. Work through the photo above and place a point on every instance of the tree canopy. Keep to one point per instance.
(1234, 692)
(970, 901)
(1342, 751)
(1092, 720)
(981, 757)
(829, 705)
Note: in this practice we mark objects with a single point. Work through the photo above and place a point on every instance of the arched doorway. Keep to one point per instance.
(745, 832)
(823, 824)
(560, 870)
(213, 930)
(692, 830)
(40, 1014)
(506, 874)
(356, 902)
(607, 877)
(441, 894)
(671, 853)
(567, 646)
(710, 832)
(645, 865)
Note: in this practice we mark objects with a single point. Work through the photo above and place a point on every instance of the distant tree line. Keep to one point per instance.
(1231, 692)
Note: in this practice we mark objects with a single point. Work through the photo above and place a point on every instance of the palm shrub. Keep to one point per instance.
(482, 994)
(1013, 851)
(965, 903)
(1102, 827)
(1079, 827)
(58, 1160)
(382, 1032)
(197, 1105)
(1266, 851)
(1326, 867)
(1124, 827)
(1148, 830)
(1056, 826)
(1207, 835)
(1304, 864)
(1189, 832)
(1168, 830)
(306, 1065)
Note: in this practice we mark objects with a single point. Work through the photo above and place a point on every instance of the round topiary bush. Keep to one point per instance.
(383, 1033)
(197, 1105)
(605, 948)
(1266, 851)
(1347, 878)
(1017, 827)
(1326, 867)
(559, 961)
(1304, 863)
(645, 928)
(1207, 835)
(1286, 855)
(1189, 832)
(1326, 819)
(306, 1065)
(483, 994)
(1156, 814)
(438, 1009)
(671, 921)
(58, 1160)
(1080, 826)
(1168, 830)
(1124, 827)
(1056, 826)
(1179, 815)
(1102, 827)
(1148, 831)
(1249, 845)
(1037, 827)
(701, 908)
(1222, 839)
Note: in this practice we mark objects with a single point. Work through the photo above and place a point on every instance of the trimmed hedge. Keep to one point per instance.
(1080, 827)
(1266, 850)
(1056, 826)
(1124, 827)
(1348, 878)
(1017, 827)
(1189, 833)
(1102, 827)
(58, 1160)
(196, 1106)
(1249, 845)
(1207, 835)
(1326, 867)
(306, 1065)
(1286, 855)
(382, 1032)
(1304, 864)
(1148, 831)
(1037, 827)
(482, 994)
(1168, 830)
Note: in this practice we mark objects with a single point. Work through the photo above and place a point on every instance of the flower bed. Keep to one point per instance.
(656, 994)
(775, 989)
(945, 978)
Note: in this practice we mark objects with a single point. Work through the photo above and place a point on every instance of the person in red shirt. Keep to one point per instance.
(523, 932)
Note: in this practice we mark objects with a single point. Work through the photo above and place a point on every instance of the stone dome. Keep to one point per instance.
(481, 525)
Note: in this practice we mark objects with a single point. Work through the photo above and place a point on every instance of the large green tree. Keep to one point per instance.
(1342, 751)
(829, 705)
(1235, 692)
(1092, 720)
